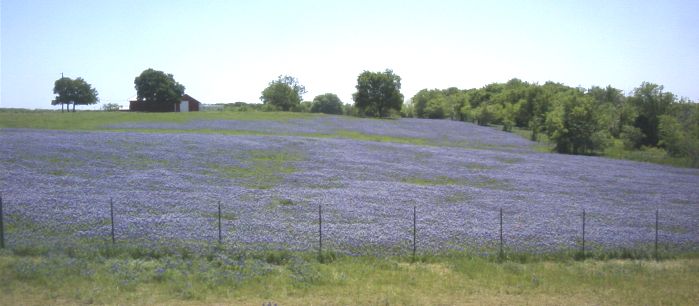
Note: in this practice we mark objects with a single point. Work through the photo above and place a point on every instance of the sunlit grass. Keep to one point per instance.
(646, 154)
(260, 169)
(98, 120)
(288, 278)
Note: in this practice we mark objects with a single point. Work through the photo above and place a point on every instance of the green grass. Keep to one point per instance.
(380, 138)
(118, 276)
(481, 181)
(646, 154)
(97, 120)
(261, 169)
(542, 144)
(617, 150)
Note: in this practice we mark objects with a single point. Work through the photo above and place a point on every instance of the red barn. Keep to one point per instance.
(186, 104)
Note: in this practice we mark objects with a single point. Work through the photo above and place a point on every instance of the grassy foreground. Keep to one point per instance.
(300, 279)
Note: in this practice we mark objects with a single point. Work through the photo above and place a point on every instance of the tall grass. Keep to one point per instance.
(130, 275)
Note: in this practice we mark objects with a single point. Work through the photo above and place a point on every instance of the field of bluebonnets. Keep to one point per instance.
(166, 180)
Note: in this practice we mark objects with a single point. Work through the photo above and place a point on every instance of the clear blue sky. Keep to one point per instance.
(227, 51)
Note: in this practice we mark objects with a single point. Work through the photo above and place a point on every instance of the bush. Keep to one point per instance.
(111, 107)
(632, 137)
(327, 104)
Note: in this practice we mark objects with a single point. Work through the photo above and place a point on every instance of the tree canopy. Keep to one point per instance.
(378, 93)
(576, 120)
(651, 103)
(158, 90)
(76, 92)
(285, 93)
(327, 103)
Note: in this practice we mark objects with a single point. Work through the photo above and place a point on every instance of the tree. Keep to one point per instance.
(574, 124)
(63, 87)
(378, 93)
(111, 107)
(651, 103)
(328, 103)
(76, 92)
(158, 90)
(671, 135)
(284, 93)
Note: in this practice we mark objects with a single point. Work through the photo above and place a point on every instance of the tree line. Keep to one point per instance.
(378, 95)
(576, 120)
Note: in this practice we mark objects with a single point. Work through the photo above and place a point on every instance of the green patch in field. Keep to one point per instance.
(331, 183)
(489, 183)
(480, 181)
(681, 201)
(225, 215)
(423, 156)
(261, 169)
(434, 181)
(139, 162)
(280, 202)
(509, 160)
(675, 229)
(458, 197)
(58, 172)
(379, 138)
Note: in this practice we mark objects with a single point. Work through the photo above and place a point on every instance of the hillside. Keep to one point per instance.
(271, 174)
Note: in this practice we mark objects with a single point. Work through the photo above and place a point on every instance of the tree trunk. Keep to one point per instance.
(61, 107)
(73, 106)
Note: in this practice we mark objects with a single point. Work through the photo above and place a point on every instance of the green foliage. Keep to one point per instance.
(631, 136)
(407, 110)
(574, 125)
(670, 135)
(486, 114)
(651, 103)
(158, 90)
(349, 110)
(378, 93)
(283, 94)
(439, 104)
(327, 103)
(656, 155)
(76, 92)
(111, 107)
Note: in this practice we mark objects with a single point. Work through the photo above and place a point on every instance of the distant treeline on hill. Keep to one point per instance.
(577, 120)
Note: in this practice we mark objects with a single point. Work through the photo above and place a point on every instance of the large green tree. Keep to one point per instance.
(284, 93)
(574, 124)
(76, 92)
(158, 90)
(327, 103)
(378, 93)
(651, 103)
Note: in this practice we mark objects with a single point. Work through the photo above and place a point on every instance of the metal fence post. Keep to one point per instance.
(414, 231)
(111, 217)
(219, 223)
(583, 234)
(502, 254)
(656, 235)
(2, 225)
(320, 232)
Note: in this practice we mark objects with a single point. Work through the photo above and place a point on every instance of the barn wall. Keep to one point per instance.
(140, 106)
